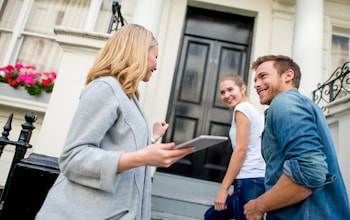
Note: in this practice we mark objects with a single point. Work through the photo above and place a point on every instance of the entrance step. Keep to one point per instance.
(169, 216)
(175, 196)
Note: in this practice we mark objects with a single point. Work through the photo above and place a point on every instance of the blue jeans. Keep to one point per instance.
(244, 190)
(212, 214)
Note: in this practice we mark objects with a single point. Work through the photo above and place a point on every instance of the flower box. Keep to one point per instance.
(21, 93)
(26, 83)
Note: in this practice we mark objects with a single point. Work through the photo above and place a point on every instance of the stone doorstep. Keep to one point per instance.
(182, 196)
(184, 189)
(168, 216)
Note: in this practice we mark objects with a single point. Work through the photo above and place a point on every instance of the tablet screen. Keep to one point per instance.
(203, 141)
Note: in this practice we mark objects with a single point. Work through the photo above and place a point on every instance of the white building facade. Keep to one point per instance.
(64, 37)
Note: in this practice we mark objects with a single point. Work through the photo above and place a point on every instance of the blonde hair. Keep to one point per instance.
(125, 57)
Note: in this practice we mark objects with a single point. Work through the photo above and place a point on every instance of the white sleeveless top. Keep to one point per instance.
(253, 165)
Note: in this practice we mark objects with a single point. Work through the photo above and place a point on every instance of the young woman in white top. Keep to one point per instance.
(246, 169)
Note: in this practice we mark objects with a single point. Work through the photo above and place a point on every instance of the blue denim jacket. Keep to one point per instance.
(296, 141)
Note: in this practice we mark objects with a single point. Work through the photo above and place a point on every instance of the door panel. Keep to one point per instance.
(190, 97)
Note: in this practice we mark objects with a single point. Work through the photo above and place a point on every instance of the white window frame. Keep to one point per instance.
(15, 42)
(341, 32)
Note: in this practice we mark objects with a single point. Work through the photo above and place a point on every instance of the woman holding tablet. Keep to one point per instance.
(105, 164)
(246, 169)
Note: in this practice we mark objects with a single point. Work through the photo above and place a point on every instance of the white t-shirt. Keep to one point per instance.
(253, 165)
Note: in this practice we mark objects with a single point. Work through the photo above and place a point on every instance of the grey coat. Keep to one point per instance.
(106, 123)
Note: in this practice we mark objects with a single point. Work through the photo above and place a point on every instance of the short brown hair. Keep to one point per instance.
(282, 64)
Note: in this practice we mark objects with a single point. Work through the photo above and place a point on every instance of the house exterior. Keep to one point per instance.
(199, 41)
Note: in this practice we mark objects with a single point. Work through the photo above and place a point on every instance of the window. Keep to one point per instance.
(340, 55)
(340, 47)
(27, 36)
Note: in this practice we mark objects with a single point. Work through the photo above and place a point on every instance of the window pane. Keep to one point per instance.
(45, 54)
(340, 51)
(4, 42)
(9, 13)
(46, 14)
(10, 10)
(340, 55)
(38, 48)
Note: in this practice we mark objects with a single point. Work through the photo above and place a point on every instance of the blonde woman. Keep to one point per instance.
(104, 165)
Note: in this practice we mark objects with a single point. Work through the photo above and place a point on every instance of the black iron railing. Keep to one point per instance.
(22, 144)
(116, 17)
(337, 86)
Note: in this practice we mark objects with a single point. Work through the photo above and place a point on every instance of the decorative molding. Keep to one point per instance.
(23, 104)
(286, 2)
(75, 39)
(19, 98)
(339, 106)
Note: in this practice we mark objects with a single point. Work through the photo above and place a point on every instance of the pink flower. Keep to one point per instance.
(46, 82)
(7, 69)
(27, 76)
(12, 83)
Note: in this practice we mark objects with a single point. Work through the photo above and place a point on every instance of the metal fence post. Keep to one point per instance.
(22, 144)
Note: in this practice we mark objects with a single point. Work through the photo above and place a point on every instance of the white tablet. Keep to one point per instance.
(203, 141)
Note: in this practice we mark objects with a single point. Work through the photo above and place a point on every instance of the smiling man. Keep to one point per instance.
(303, 179)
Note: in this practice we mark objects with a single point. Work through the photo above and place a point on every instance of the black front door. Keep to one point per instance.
(214, 44)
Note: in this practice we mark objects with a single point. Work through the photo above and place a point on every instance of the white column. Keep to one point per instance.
(148, 14)
(79, 52)
(308, 43)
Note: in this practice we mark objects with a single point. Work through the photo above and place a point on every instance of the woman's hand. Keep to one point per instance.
(159, 129)
(164, 155)
(158, 155)
(220, 200)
